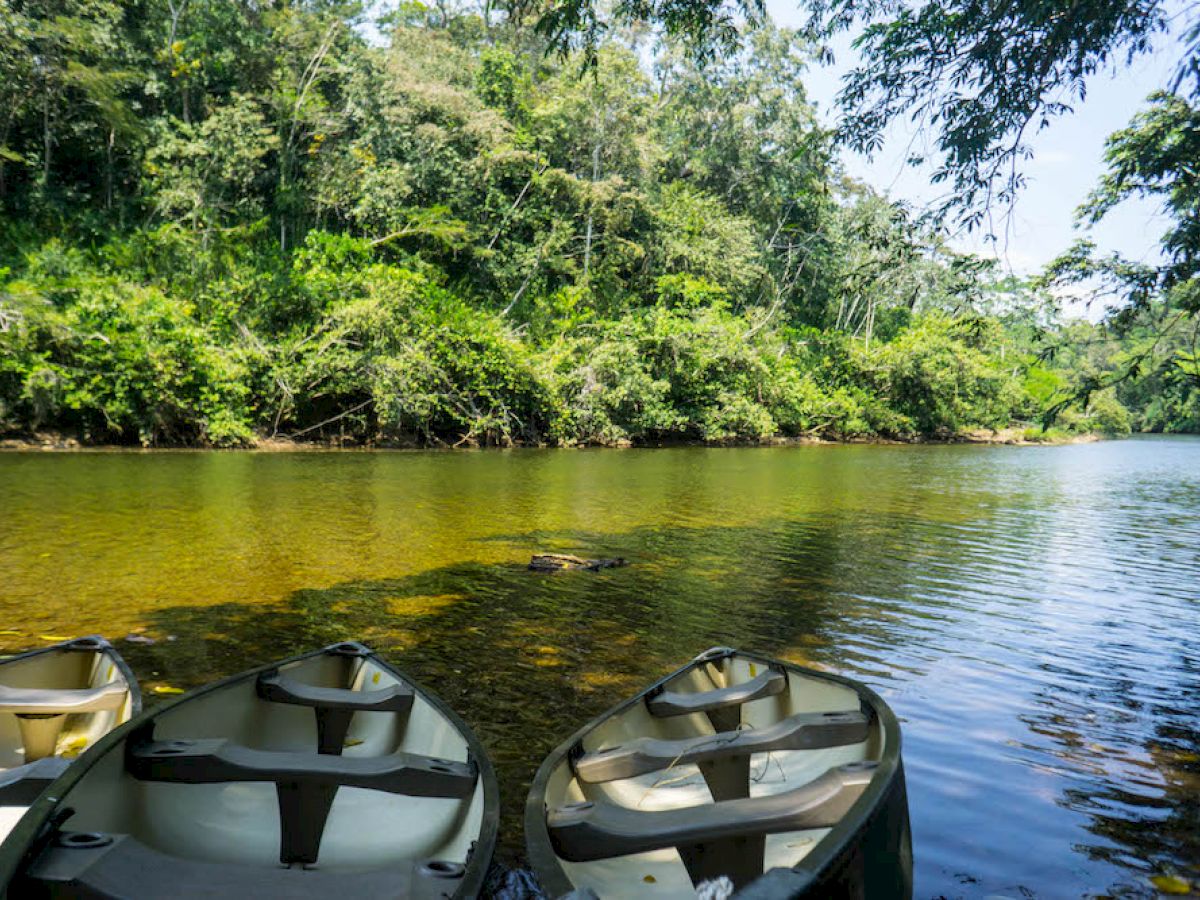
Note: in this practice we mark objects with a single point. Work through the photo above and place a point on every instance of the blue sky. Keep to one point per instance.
(1067, 162)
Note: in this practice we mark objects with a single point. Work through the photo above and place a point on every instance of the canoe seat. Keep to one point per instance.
(717, 703)
(305, 783)
(41, 712)
(806, 731)
(22, 785)
(713, 839)
(94, 865)
(334, 707)
(46, 702)
(217, 761)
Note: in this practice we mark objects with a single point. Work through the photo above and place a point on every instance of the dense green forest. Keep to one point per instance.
(223, 221)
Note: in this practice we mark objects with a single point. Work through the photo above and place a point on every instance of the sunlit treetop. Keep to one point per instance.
(981, 76)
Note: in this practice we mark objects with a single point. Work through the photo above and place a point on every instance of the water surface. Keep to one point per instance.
(1031, 614)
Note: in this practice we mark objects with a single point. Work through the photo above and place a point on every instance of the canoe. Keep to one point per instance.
(54, 703)
(326, 775)
(786, 781)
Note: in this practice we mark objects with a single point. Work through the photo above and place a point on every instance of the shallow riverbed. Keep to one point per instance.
(1032, 614)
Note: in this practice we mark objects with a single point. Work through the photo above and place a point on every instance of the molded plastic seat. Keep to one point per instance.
(47, 702)
(334, 707)
(22, 785)
(806, 731)
(588, 831)
(396, 698)
(680, 703)
(723, 838)
(41, 712)
(305, 783)
(217, 761)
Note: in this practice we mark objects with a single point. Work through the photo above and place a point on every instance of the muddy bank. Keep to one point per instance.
(1016, 435)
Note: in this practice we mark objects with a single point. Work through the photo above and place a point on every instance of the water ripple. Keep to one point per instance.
(1033, 616)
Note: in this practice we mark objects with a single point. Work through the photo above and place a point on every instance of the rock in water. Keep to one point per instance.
(558, 562)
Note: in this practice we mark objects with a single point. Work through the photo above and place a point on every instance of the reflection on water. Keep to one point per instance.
(1032, 615)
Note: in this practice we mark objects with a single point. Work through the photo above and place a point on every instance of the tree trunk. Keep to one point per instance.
(108, 169)
(176, 11)
(587, 241)
(870, 322)
(4, 143)
(47, 139)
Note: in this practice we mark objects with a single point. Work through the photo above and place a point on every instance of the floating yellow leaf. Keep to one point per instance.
(351, 742)
(167, 689)
(52, 637)
(649, 879)
(73, 748)
(1171, 884)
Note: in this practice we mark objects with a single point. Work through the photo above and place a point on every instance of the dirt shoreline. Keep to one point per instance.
(57, 442)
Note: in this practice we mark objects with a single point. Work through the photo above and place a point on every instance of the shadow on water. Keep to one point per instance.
(525, 657)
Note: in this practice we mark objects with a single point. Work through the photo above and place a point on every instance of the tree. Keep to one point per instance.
(212, 174)
(61, 64)
(984, 76)
(447, 236)
(742, 129)
(1154, 157)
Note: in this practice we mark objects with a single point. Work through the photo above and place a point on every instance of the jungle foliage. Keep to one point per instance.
(222, 221)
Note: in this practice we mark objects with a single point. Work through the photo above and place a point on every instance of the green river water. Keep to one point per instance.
(1031, 614)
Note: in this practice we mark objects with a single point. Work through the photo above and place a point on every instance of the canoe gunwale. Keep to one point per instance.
(27, 839)
(830, 850)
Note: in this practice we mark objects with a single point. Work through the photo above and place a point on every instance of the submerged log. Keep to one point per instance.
(559, 562)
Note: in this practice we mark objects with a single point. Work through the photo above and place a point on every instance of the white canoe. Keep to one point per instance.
(786, 781)
(54, 704)
(327, 775)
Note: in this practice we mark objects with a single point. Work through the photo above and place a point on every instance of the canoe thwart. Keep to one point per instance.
(582, 832)
(49, 702)
(305, 783)
(89, 864)
(666, 703)
(334, 707)
(805, 731)
(217, 761)
(42, 712)
(396, 698)
(22, 785)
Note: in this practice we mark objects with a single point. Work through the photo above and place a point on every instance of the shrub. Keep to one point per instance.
(937, 375)
(1106, 414)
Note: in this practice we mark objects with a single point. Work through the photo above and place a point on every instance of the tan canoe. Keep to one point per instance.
(54, 704)
(327, 775)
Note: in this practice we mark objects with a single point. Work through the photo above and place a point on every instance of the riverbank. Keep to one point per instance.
(51, 441)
